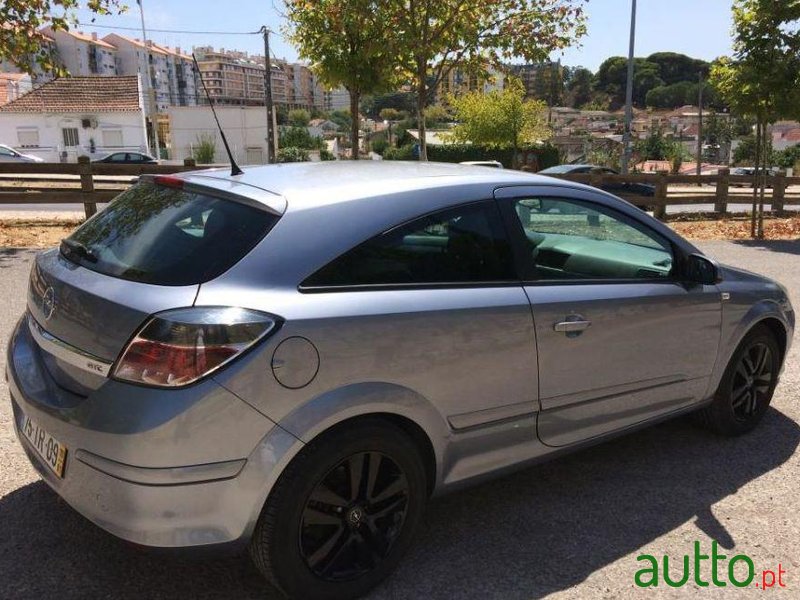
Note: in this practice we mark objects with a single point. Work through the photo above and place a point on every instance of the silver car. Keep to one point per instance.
(295, 359)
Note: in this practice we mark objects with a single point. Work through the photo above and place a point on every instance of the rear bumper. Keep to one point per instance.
(177, 471)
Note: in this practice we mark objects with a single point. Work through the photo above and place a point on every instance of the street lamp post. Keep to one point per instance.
(626, 135)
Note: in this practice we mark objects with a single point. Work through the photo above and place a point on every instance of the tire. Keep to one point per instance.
(324, 534)
(746, 388)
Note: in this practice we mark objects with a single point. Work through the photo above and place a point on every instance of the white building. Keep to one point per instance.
(244, 126)
(74, 116)
(83, 54)
(338, 99)
(133, 58)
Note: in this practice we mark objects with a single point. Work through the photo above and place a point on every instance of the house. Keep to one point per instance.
(784, 134)
(245, 128)
(13, 85)
(74, 116)
(321, 127)
(83, 54)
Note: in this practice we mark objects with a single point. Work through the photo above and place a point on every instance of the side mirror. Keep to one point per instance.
(701, 269)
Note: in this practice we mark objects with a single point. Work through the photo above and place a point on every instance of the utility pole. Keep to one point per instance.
(700, 127)
(151, 83)
(268, 97)
(626, 135)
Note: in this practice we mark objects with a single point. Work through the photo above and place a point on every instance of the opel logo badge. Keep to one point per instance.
(49, 303)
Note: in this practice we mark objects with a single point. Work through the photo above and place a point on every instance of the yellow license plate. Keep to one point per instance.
(53, 452)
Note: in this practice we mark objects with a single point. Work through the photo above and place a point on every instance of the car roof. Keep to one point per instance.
(309, 184)
(566, 168)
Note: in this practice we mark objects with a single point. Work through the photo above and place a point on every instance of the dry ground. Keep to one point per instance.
(44, 231)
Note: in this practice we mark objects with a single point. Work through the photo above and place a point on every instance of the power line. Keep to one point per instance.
(171, 30)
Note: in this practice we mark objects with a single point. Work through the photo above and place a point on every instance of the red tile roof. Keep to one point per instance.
(80, 95)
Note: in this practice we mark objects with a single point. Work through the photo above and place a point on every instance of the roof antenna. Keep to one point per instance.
(235, 170)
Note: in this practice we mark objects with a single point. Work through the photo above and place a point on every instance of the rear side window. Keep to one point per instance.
(167, 236)
(463, 245)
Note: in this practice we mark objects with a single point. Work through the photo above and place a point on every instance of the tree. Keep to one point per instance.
(500, 119)
(764, 34)
(401, 101)
(579, 83)
(345, 41)
(391, 114)
(436, 116)
(437, 36)
(299, 117)
(674, 67)
(342, 118)
(21, 41)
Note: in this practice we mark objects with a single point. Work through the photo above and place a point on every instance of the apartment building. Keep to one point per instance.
(39, 75)
(459, 81)
(337, 99)
(237, 79)
(83, 54)
(134, 57)
(303, 88)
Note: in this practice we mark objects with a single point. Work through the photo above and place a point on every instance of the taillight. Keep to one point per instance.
(178, 347)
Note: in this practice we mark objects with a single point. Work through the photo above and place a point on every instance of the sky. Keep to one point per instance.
(699, 28)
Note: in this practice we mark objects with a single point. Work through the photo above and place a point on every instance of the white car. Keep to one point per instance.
(8, 154)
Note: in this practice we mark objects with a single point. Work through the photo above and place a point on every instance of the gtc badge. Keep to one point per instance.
(49, 303)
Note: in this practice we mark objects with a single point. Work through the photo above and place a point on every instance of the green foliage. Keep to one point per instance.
(546, 155)
(674, 67)
(579, 87)
(325, 154)
(345, 41)
(205, 148)
(379, 143)
(24, 45)
(681, 94)
(299, 137)
(436, 116)
(658, 147)
(436, 36)
(400, 101)
(402, 153)
(291, 154)
(500, 119)
(342, 118)
(788, 158)
(392, 114)
(744, 155)
(299, 117)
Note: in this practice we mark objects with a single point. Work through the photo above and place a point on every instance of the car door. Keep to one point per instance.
(435, 303)
(621, 338)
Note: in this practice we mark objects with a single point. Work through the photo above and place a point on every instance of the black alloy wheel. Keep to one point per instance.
(353, 516)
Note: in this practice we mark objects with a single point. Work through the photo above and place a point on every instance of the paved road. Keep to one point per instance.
(568, 529)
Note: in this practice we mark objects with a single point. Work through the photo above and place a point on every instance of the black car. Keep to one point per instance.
(128, 158)
(615, 187)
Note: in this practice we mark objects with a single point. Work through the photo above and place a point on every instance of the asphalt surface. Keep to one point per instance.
(570, 528)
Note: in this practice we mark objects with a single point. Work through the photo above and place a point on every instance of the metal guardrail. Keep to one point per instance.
(97, 183)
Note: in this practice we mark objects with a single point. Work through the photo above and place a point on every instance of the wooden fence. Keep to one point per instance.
(96, 183)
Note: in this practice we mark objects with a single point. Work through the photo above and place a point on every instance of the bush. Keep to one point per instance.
(299, 137)
(401, 153)
(292, 154)
(539, 157)
(326, 154)
(205, 148)
(379, 145)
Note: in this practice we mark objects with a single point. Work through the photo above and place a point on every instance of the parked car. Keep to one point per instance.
(131, 158)
(8, 154)
(191, 371)
(633, 188)
(750, 172)
(495, 164)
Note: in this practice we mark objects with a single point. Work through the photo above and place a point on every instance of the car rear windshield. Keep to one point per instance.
(167, 236)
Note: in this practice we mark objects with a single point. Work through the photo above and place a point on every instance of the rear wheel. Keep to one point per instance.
(746, 389)
(343, 513)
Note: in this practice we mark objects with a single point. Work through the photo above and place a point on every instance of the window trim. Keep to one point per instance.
(384, 287)
(524, 265)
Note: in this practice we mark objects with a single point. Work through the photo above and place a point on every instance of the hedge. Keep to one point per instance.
(545, 156)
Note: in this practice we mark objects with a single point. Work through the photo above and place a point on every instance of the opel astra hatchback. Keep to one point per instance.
(295, 359)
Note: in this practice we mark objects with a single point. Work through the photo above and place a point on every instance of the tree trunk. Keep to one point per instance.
(421, 98)
(754, 216)
(354, 127)
(762, 180)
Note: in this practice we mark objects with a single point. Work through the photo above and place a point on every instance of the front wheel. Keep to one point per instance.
(342, 514)
(746, 389)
